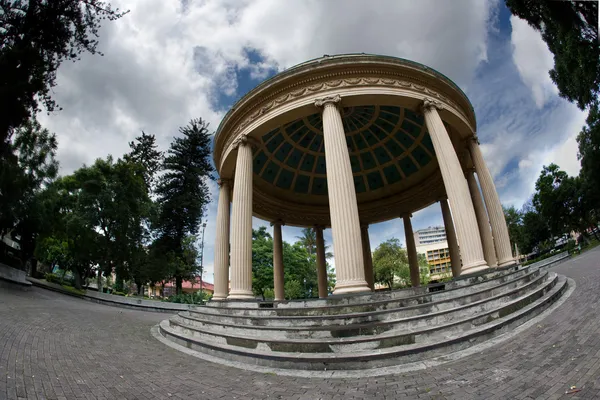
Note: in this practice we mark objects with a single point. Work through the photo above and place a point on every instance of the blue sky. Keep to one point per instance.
(167, 62)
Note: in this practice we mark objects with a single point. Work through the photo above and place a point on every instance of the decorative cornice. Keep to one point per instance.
(294, 92)
(329, 100)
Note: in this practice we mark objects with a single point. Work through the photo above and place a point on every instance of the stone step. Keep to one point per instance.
(337, 304)
(415, 305)
(367, 324)
(450, 338)
(433, 332)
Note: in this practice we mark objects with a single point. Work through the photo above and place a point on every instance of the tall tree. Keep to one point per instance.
(36, 37)
(144, 151)
(308, 239)
(182, 189)
(514, 223)
(589, 155)
(570, 30)
(262, 262)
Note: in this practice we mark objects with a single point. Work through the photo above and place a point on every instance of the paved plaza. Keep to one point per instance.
(54, 346)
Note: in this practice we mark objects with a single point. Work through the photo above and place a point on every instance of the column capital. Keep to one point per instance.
(277, 222)
(330, 100)
(223, 182)
(364, 226)
(244, 140)
(406, 215)
(429, 103)
(321, 227)
(475, 139)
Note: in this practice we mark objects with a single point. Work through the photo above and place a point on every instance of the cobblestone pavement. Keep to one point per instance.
(54, 346)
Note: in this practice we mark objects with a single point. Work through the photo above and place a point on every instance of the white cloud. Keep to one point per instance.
(166, 64)
(533, 60)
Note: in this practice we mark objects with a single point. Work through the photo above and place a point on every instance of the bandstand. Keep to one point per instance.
(342, 142)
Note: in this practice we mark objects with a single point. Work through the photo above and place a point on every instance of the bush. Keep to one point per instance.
(52, 278)
(189, 298)
(117, 293)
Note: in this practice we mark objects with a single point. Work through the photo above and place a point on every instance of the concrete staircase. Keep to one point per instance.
(371, 330)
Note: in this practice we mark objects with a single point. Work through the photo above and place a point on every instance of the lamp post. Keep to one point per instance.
(202, 256)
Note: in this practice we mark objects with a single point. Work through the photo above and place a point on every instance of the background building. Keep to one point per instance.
(432, 243)
(432, 234)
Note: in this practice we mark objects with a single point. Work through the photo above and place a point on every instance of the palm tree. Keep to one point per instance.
(308, 239)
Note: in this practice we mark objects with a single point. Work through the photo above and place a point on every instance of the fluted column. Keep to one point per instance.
(482, 221)
(222, 243)
(411, 250)
(493, 205)
(241, 227)
(278, 262)
(368, 257)
(451, 238)
(321, 263)
(456, 189)
(345, 226)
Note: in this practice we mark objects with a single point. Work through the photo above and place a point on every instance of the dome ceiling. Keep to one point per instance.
(387, 144)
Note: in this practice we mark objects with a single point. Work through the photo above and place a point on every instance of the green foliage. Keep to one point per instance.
(198, 297)
(262, 262)
(37, 36)
(390, 261)
(52, 278)
(423, 270)
(183, 194)
(293, 290)
(569, 28)
(28, 166)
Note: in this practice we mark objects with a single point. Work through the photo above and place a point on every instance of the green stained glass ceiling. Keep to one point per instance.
(387, 144)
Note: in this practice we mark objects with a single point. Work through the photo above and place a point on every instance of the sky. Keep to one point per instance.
(169, 61)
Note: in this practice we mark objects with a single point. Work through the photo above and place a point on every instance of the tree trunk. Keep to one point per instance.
(178, 284)
(77, 279)
(99, 281)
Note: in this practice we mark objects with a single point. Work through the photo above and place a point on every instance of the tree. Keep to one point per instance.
(589, 155)
(569, 28)
(552, 201)
(514, 224)
(37, 36)
(390, 261)
(308, 239)
(144, 152)
(423, 269)
(535, 229)
(262, 262)
(29, 167)
(182, 189)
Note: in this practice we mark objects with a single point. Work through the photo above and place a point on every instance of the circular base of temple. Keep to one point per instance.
(473, 269)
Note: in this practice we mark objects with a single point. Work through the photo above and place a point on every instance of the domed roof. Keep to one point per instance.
(387, 144)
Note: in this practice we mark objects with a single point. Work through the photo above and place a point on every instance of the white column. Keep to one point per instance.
(456, 189)
(278, 262)
(343, 207)
(411, 250)
(482, 221)
(368, 257)
(222, 243)
(493, 205)
(241, 229)
(321, 263)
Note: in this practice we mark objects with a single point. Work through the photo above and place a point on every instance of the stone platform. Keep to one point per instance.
(369, 331)
(54, 346)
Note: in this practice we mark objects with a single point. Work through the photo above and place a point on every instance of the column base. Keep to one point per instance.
(240, 294)
(351, 287)
(507, 263)
(219, 298)
(474, 268)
